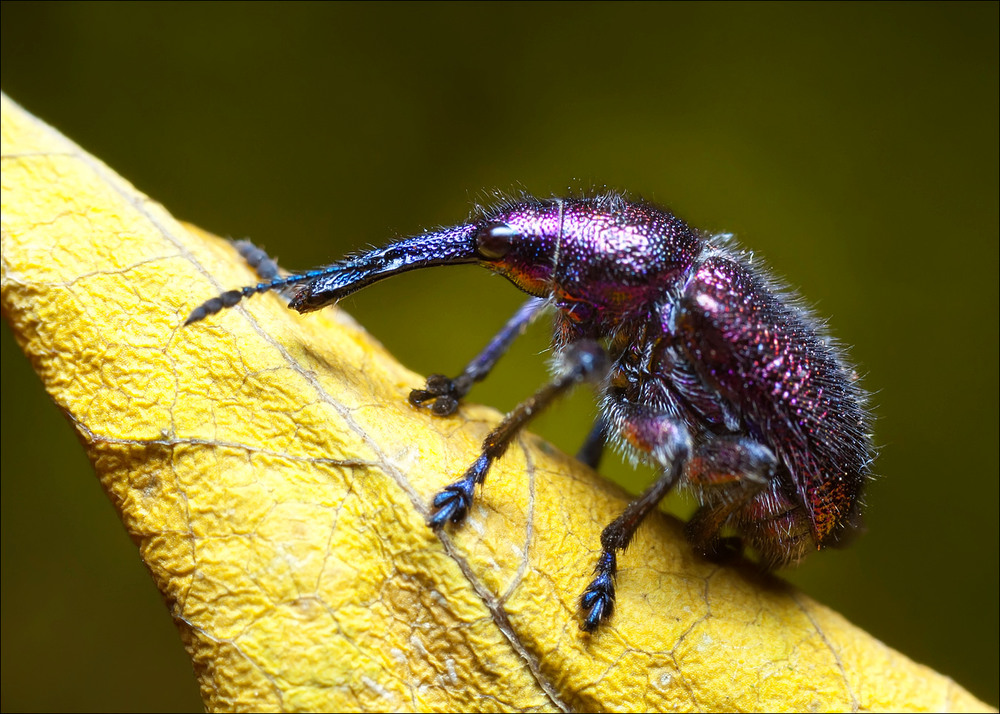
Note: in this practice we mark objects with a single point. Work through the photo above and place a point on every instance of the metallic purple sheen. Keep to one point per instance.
(699, 333)
(707, 369)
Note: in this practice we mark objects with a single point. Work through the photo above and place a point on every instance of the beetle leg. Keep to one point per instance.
(672, 446)
(734, 469)
(593, 446)
(445, 393)
(581, 360)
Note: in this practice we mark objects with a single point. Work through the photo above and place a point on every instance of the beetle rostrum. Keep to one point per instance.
(706, 369)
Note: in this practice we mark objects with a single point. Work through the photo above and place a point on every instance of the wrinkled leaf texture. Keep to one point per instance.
(276, 482)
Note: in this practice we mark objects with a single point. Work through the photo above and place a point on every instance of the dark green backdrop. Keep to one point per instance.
(853, 145)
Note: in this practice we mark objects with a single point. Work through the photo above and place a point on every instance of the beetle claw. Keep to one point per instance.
(452, 503)
(598, 602)
(440, 390)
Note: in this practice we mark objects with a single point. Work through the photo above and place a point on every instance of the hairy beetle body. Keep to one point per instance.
(706, 370)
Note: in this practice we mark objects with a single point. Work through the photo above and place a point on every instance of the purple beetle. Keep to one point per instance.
(706, 368)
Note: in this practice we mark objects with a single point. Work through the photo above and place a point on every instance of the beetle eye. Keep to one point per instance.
(495, 240)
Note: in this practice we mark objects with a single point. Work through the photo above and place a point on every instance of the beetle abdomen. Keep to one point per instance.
(772, 360)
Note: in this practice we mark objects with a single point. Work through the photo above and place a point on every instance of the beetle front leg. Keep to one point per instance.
(580, 361)
(669, 441)
(445, 392)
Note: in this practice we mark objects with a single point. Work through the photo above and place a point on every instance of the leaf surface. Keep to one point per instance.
(275, 480)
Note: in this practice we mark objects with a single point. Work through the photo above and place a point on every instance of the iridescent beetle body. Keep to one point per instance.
(707, 371)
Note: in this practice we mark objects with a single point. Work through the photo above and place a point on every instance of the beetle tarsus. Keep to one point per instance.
(598, 600)
(441, 394)
(453, 502)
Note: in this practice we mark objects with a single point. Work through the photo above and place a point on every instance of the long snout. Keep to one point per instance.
(450, 246)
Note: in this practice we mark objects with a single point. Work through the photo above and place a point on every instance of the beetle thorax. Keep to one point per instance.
(612, 267)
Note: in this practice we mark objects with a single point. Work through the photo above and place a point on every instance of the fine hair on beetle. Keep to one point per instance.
(706, 368)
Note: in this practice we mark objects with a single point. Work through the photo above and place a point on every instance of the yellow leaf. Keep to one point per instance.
(276, 482)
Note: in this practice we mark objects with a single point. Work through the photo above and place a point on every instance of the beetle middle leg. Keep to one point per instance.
(445, 392)
(580, 361)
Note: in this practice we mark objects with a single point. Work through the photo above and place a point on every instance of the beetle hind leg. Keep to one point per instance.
(728, 472)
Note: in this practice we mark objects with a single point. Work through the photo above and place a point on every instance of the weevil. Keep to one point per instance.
(705, 366)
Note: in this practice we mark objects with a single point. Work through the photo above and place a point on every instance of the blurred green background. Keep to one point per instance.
(855, 146)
